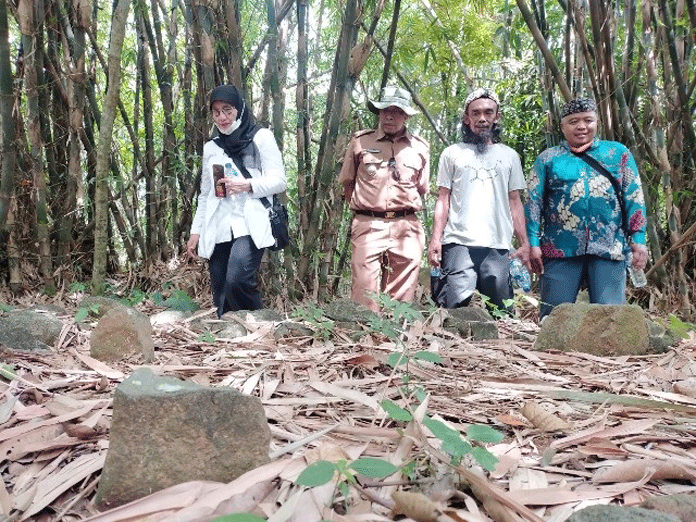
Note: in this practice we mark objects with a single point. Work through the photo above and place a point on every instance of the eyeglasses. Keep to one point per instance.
(393, 169)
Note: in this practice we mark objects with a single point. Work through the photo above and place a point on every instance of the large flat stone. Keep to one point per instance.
(166, 431)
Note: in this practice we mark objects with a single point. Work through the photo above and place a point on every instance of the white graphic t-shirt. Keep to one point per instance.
(479, 212)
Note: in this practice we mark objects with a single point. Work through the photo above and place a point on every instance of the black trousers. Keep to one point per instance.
(234, 268)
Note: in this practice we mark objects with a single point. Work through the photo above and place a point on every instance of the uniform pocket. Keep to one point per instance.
(371, 163)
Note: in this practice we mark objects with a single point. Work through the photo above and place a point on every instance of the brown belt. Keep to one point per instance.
(389, 214)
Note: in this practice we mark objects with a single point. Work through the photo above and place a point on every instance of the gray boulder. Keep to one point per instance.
(168, 317)
(348, 311)
(619, 514)
(682, 506)
(120, 333)
(97, 305)
(292, 329)
(661, 337)
(28, 330)
(260, 316)
(166, 431)
(605, 330)
(471, 321)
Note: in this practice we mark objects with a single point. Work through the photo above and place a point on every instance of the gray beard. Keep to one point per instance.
(481, 141)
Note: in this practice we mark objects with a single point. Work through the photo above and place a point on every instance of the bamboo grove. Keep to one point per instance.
(104, 115)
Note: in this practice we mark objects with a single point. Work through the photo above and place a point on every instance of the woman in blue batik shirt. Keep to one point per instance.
(576, 227)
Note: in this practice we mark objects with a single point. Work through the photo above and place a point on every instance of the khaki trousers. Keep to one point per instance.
(386, 257)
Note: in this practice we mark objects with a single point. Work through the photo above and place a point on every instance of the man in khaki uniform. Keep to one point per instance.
(385, 172)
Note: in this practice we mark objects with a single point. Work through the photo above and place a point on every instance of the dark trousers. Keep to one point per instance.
(563, 277)
(234, 268)
(465, 269)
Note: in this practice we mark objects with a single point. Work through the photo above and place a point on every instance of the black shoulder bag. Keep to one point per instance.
(614, 183)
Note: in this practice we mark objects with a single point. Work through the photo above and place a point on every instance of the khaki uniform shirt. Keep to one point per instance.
(384, 175)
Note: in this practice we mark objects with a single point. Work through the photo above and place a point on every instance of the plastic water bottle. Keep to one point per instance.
(520, 275)
(229, 170)
(637, 276)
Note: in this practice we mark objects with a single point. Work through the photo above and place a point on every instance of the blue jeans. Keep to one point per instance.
(234, 267)
(562, 278)
(465, 269)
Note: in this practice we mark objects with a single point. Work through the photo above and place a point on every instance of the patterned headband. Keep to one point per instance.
(578, 105)
(481, 92)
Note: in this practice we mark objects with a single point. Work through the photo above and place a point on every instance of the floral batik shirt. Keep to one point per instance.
(573, 210)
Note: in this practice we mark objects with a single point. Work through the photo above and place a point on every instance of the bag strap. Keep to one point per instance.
(244, 171)
(614, 183)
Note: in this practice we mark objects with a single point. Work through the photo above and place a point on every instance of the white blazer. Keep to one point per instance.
(269, 180)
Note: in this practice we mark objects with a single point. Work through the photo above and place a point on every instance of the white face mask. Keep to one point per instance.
(231, 128)
(235, 125)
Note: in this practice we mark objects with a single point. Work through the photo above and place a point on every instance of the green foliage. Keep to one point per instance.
(523, 116)
(158, 298)
(679, 327)
(206, 337)
(83, 312)
(396, 412)
(494, 310)
(373, 468)
(76, 287)
(315, 316)
(321, 472)
(136, 297)
(456, 447)
(7, 372)
(316, 474)
(484, 433)
(181, 301)
(5, 308)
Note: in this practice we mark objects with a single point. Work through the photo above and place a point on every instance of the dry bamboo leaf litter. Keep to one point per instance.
(308, 386)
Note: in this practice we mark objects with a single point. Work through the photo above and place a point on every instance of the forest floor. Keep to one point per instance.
(575, 429)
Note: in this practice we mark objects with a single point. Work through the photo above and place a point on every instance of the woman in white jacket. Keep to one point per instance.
(232, 231)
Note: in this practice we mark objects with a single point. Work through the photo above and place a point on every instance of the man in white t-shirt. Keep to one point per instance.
(477, 210)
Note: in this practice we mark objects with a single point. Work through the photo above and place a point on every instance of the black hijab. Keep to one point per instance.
(233, 144)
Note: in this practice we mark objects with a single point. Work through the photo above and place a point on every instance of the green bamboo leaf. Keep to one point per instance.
(373, 468)
(7, 372)
(394, 359)
(81, 314)
(428, 356)
(484, 433)
(452, 442)
(440, 429)
(485, 458)
(316, 474)
(456, 447)
(395, 412)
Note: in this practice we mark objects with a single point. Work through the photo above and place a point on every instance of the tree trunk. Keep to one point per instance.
(76, 92)
(235, 44)
(304, 114)
(339, 91)
(28, 12)
(101, 232)
(8, 151)
(541, 44)
(166, 186)
(390, 44)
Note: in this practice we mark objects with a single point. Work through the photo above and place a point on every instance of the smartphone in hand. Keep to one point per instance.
(218, 174)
